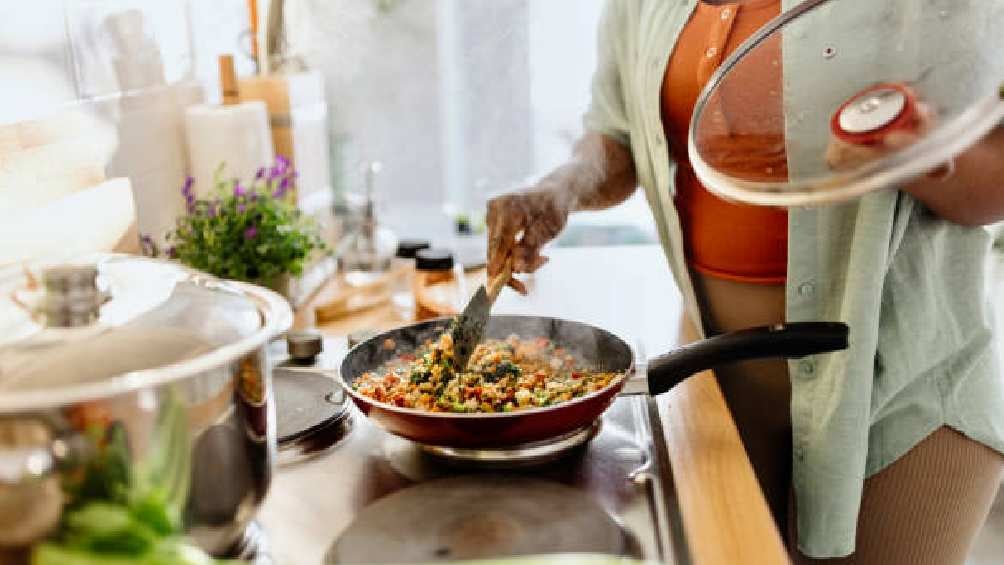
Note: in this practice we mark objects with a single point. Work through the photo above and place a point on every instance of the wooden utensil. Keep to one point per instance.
(469, 327)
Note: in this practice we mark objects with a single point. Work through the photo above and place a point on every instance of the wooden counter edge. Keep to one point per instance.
(725, 516)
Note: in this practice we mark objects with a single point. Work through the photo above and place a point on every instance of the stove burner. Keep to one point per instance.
(530, 454)
(312, 412)
(472, 518)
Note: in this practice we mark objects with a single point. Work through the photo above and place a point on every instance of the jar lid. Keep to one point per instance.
(406, 248)
(304, 347)
(433, 260)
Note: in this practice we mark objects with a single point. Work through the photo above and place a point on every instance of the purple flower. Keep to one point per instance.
(283, 187)
(211, 211)
(189, 195)
(186, 190)
(241, 208)
(147, 245)
(238, 189)
(250, 233)
(261, 173)
(281, 163)
(280, 168)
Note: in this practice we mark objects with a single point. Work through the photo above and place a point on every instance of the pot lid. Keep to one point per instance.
(835, 99)
(114, 320)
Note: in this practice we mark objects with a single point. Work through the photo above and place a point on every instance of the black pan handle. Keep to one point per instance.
(790, 341)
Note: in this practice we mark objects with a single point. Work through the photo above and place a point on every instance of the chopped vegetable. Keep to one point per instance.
(501, 376)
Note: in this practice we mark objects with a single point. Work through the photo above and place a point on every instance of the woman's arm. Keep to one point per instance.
(972, 195)
(600, 174)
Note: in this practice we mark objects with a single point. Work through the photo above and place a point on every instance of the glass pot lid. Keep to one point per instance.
(100, 318)
(837, 98)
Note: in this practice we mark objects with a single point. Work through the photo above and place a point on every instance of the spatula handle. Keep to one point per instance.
(498, 282)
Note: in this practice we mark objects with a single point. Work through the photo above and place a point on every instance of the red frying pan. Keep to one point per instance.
(600, 349)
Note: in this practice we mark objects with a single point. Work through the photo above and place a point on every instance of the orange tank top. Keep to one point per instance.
(724, 239)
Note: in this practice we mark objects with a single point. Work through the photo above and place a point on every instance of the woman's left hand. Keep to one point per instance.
(842, 155)
(968, 190)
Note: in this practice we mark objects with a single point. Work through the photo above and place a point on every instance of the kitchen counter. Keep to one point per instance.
(629, 291)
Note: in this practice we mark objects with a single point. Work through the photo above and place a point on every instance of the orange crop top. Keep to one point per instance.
(724, 239)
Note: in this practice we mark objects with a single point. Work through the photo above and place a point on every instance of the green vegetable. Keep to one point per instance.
(119, 514)
(167, 552)
(106, 476)
(108, 533)
(154, 511)
(420, 374)
(107, 528)
(505, 368)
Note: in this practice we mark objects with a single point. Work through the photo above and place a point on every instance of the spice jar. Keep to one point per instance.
(403, 267)
(439, 287)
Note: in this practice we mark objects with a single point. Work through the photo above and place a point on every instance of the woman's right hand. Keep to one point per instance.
(520, 224)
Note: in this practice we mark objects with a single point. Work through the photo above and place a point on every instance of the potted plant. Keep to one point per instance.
(249, 232)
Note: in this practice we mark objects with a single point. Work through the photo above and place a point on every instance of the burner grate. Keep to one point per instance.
(515, 457)
(476, 517)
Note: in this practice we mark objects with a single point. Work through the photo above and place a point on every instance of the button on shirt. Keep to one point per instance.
(910, 286)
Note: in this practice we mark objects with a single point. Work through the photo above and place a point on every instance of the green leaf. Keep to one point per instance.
(108, 528)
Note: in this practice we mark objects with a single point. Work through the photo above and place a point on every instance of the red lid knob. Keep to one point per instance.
(867, 117)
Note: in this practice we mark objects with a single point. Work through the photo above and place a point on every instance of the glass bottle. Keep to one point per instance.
(440, 287)
(365, 253)
(403, 267)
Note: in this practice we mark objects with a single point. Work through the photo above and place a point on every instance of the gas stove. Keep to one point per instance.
(366, 496)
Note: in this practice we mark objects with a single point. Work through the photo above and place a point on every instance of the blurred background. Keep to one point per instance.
(458, 99)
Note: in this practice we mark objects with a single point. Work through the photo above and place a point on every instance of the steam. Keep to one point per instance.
(579, 182)
(594, 348)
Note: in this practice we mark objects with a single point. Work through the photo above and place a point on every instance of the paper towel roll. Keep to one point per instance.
(153, 154)
(237, 135)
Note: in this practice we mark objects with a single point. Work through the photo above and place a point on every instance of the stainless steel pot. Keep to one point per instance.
(135, 366)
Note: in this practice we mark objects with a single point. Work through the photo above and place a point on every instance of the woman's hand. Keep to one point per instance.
(520, 224)
(842, 155)
(968, 190)
(599, 175)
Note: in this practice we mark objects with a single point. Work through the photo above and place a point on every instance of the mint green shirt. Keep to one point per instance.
(911, 286)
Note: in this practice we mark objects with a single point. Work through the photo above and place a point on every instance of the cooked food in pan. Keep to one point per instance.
(502, 376)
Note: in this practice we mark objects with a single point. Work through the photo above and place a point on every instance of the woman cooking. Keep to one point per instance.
(887, 453)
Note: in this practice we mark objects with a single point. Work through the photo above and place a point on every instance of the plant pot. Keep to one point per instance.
(282, 285)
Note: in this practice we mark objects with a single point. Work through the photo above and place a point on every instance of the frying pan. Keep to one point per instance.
(598, 348)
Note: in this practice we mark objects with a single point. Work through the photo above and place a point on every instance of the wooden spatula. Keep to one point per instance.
(469, 328)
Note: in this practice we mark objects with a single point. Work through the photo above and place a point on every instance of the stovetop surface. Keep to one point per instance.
(612, 495)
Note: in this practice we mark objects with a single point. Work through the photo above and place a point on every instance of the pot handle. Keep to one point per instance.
(791, 341)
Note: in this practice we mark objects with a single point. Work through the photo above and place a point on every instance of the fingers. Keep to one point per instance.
(517, 285)
(842, 156)
(527, 260)
(504, 222)
(942, 172)
(519, 225)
